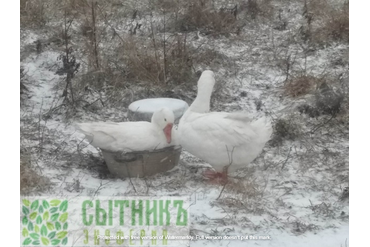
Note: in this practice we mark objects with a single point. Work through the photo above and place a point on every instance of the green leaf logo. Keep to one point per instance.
(65, 241)
(45, 204)
(30, 226)
(39, 220)
(36, 242)
(41, 209)
(55, 242)
(58, 226)
(65, 226)
(24, 232)
(54, 203)
(63, 217)
(45, 241)
(45, 222)
(25, 210)
(26, 202)
(24, 220)
(45, 216)
(44, 231)
(53, 210)
(63, 207)
(52, 235)
(35, 205)
(35, 236)
(27, 241)
(61, 234)
(54, 217)
(50, 226)
(33, 215)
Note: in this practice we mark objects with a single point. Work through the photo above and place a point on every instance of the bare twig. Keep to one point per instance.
(286, 160)
(321, 125)
(93, 6)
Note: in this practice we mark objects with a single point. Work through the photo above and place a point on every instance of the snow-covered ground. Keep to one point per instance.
(293, 192)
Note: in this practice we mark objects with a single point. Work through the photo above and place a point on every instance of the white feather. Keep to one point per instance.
(130, 136)
(221, 138)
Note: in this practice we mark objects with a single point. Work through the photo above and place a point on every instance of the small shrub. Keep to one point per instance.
(253, 9)
(285, 129)
(309, 110)
(300, 85)
(329, 23)
(30, 180)
(149, 61)
(203, 16)
(345, 194)
(33, 13)
(329, 101)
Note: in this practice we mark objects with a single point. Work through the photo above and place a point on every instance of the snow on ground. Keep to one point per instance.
(291, 192)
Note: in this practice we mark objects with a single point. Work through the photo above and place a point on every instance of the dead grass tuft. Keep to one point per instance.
(30, 180)
(345, 194)
(330, 23)
(329, 101)
(204, 16)
(257, 8)
(247, 188)
(285, 129)
(158, 62)
(300, 227)
(33, 13)
(300, 85)
(324, 209)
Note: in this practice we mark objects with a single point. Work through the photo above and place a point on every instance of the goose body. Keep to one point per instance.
(221, 138)
(131, 136)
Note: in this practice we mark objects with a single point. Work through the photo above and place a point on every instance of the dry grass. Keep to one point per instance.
(38, 13)
(243, 194)
(301, 85)
(285, 129)
(228, 18)
(328, 101)
(330, 23)
(247, 187)
(204, 16)
(253, 9)
(30, 180)
(33, 13)
(152, 62)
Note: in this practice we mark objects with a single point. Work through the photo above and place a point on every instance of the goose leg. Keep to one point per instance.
(216, 177)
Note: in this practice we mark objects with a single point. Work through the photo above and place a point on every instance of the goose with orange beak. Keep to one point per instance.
(227, 141)
(131, 136)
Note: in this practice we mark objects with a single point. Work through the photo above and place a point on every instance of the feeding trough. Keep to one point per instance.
(143, 163)
(142, 110)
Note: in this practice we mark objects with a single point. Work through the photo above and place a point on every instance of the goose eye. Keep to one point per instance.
(165, 120)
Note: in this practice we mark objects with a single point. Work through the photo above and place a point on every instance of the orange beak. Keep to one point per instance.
(167, 131)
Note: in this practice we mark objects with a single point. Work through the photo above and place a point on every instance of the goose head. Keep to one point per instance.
(164, 119)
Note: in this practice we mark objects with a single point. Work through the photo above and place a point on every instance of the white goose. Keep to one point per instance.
(131, 136)
(221, 138)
